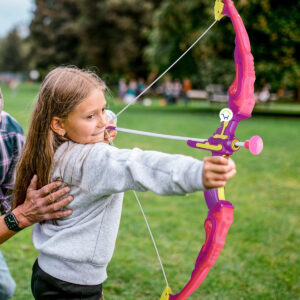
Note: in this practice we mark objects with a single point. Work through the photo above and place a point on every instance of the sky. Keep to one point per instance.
(15, 12)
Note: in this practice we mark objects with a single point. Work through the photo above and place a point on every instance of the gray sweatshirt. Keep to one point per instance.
(80, 246)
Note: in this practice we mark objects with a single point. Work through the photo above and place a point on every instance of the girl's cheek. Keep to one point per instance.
(105, 117)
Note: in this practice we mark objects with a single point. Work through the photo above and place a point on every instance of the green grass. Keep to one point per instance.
(261, 257)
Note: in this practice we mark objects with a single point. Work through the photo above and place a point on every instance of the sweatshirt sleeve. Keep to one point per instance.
(108, 170)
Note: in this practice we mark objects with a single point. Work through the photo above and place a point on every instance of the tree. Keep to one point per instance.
(177, 24)
(53, 34)
(114, 33)
(107, 34)
(12, 53)
(272, 27)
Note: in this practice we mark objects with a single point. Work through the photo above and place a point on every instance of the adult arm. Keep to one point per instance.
(38, 206)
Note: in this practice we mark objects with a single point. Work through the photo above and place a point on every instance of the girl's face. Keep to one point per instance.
(86, 123)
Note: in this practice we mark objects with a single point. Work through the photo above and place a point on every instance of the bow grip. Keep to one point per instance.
(217, 224)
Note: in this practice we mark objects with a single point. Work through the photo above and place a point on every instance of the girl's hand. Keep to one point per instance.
(109, 135)
(216, 171)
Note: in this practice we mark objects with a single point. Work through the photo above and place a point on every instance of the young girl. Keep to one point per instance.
(67, 141)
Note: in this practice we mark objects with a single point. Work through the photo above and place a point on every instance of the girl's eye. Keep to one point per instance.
(90, 117)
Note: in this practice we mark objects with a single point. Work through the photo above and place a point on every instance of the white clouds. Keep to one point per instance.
(14, 12)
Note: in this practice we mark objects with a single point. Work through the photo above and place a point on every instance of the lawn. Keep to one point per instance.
(261, 257)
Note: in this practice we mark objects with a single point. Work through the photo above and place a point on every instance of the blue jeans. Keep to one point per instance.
(7, 284)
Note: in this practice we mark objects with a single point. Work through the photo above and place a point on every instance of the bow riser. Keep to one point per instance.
(222, 142)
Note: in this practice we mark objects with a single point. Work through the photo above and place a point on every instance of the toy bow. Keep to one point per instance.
(222, 143)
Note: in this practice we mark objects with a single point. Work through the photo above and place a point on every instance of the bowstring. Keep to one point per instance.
(167, 70)
(147, 223)
(131, 103)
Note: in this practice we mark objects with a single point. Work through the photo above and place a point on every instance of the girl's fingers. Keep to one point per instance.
(222, 176)
(218, 164)
(213, 184)
(218, 180)
(218, 184)
(232, 173)
(217, 171)
(232, 164)
(112, 134)
(221, 169)
(216, 160)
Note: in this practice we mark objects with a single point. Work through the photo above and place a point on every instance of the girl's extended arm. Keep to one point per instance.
(111, 170)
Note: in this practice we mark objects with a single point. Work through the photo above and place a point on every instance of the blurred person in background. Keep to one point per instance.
(177, 90)
(131, 91)
(186, 87)
(168, 90)
(140, 87)
(122, 88)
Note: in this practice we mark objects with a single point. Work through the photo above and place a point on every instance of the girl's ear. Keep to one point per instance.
(57, 126)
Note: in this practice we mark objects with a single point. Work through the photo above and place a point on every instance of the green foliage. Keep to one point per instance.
(54, 36)
(176, 25)
(132, 38)
(113, 34)
(272, 27)
(261, 257)
(108, 35)
(12, 53)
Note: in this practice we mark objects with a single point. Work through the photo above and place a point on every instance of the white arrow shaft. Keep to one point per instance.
(168, 136)
(159, 135)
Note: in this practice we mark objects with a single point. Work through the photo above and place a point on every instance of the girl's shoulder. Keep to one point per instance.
(81, 149)
(72, 155)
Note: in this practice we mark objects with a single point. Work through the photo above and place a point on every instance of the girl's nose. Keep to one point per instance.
(103, 119)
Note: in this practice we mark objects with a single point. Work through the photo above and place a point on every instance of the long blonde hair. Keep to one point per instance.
(61, 91)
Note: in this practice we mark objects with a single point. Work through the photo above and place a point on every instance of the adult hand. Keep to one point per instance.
(41, 205)
(216, 171)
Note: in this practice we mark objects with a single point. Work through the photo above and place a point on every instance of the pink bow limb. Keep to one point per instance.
(241, 92)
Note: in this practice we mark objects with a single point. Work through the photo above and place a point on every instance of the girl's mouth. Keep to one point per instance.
(99, 133)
